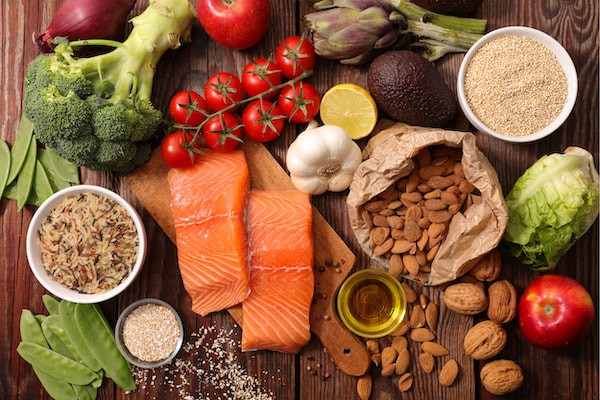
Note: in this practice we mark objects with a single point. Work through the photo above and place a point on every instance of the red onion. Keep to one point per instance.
(86, 19)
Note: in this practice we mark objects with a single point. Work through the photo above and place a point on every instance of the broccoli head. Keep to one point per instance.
(96, 111)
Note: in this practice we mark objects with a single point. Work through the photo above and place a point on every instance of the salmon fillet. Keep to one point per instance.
(208, 202)
(276, 313)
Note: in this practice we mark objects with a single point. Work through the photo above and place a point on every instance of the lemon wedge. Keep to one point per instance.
(351, 107)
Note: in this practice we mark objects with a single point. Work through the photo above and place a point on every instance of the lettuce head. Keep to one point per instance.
(551, 206)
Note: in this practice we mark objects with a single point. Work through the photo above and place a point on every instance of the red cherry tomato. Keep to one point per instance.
(223, 132)
(263, 120)
(188, 108)
(174, 152)
(222, 90)
(259, 76)
(300, 102)
(294, 55)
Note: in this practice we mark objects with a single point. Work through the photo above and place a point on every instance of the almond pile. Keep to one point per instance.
(409, 220)
(477, 293)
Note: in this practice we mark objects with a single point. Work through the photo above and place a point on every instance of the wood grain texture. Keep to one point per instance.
(311, 375)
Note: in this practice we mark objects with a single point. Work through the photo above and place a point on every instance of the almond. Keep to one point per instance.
(449, 373)
(388, 370)
(503, 299)
(427, 362)
(405, 382)
(431, 315)
(500, 377)
(465, 298)
(399, 343)
(388, 356)
(383, 248)
(421, 335)
(484, 340)
(429, 171)
(409, 293)
(435, 349)
(412, 230)
(396, 266)
(379, 234)
(364, 386)
(372, 346)
(417, 317)
(402, 329)
(402, 362)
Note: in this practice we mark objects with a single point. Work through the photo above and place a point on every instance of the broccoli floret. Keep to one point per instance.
(104, 101)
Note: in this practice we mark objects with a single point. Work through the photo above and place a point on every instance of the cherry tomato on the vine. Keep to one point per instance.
(294, 55)
(259, 76)
(263, 120)
(175, 153)
(222, 90)
(223, 132)
(188, 107)
(299, 102)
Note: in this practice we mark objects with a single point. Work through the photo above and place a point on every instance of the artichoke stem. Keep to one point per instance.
(450, 37)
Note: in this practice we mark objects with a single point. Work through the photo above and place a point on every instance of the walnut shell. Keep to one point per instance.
(501, 376)
(488, 268)
(503, 300)
(484, 340)
(465, 298)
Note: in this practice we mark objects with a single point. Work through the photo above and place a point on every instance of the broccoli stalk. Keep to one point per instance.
(96, 111)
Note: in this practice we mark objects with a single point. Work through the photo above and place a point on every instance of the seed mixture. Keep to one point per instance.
(206, 369)
(151, 332)
(88, 243)
(515, 85)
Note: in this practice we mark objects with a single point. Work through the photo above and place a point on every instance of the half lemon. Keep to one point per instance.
(351, 107)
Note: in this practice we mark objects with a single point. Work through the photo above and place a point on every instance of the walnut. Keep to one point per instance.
(465, 298)
(501, 376)
(488, 268)
(484, 340)
(503, 299)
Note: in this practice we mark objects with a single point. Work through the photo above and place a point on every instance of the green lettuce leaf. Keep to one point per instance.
(551, 206)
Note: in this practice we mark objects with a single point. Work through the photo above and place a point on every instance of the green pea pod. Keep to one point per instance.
(56, 388)
(55, 341)
(20, 148)
(54, 323)
(10, 191)
(41, 188)
(51, 304)
(4, 165)
(25, 179)
(65, 170)
(85, 392)
(100, 338)
(56, 182)
(67, 316)
(31, 330)
(55, 364)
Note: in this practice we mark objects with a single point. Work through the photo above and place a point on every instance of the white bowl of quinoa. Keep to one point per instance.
(149, 333)
(517, 84)
(86, 244)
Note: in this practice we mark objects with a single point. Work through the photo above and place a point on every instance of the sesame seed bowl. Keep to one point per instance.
(149, 333)
(86, 244)
(517, 84)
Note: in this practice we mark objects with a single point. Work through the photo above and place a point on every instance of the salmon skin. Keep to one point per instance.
(208, 202)
(276, 313)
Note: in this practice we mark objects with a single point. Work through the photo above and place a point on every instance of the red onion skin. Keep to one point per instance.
(86, 19)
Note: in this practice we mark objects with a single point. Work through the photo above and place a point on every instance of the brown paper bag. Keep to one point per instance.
(387, 158)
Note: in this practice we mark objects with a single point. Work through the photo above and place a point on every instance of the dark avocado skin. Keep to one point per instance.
(409, 88)
(456, 7)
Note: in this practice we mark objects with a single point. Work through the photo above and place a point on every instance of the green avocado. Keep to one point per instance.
(409, 88)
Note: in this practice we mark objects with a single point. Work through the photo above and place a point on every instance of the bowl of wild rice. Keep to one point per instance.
(86, 244)
(517, 84)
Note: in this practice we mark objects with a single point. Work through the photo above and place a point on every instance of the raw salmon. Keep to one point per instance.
(208, 202)
(276, 313)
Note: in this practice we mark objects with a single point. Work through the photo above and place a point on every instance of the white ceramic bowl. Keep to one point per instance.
(123, 348)
(563, 58)
(34, 251)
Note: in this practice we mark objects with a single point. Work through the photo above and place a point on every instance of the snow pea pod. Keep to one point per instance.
(65, 170)
(67, 316)
(99, 336)
(31, 331)
(55, 364)
(85, 392)
(41, 188)
(25, 179)
(55, 341)
(18, 154)
(55, 180)
(51, 304)
(4, 165)
(54, 323)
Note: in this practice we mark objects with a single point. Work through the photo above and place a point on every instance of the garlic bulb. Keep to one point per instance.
(323, 158)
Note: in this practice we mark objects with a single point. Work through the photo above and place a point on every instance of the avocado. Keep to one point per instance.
(454, 7)
(409, 88)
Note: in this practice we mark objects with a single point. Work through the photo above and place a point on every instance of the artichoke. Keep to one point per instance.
(356, 31)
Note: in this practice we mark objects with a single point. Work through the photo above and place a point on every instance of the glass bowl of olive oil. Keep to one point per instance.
(371, 303)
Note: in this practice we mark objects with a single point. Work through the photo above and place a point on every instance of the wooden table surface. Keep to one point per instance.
(211, 366)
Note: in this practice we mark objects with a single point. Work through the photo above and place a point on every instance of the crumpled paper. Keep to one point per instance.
(387, 158)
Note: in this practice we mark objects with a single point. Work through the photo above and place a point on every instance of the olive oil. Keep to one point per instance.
(371, 303)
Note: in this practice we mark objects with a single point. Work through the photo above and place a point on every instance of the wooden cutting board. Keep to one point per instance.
(333, 259)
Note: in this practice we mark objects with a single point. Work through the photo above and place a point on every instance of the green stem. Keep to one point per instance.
(450, 37)
(414, 12)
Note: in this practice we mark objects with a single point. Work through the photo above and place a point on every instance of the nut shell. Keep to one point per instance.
(484, 340)
(503, 301)
(465, 298)
(501, 376)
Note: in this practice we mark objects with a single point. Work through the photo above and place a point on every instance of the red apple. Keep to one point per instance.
(555, 311)
(237, 24)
